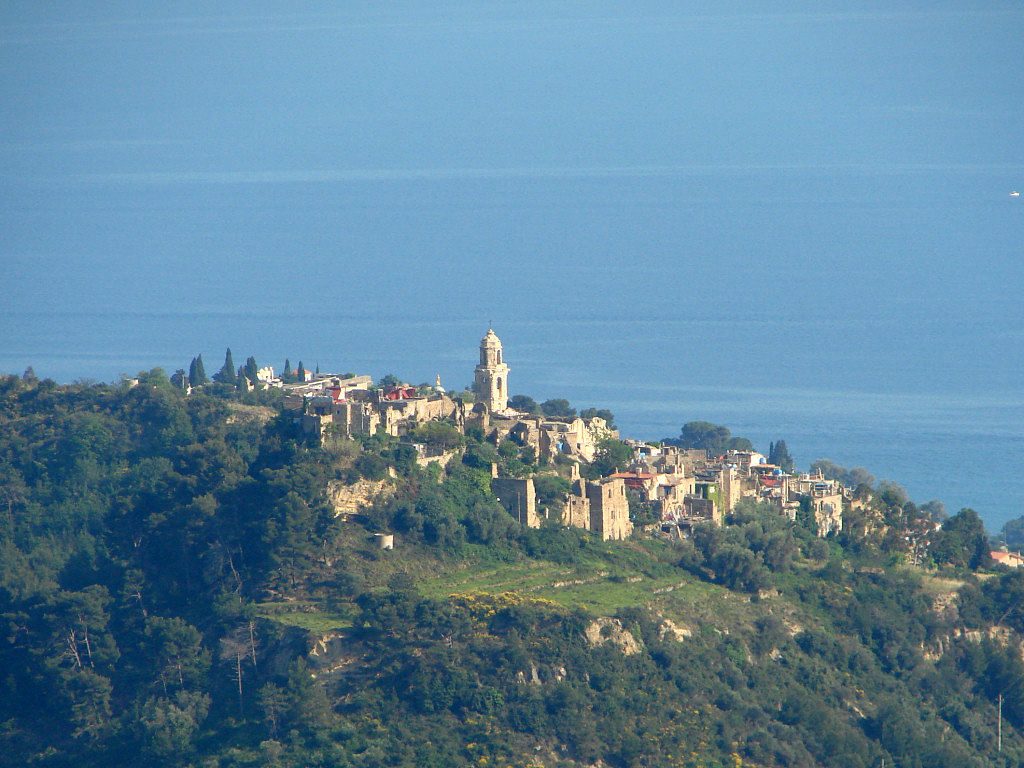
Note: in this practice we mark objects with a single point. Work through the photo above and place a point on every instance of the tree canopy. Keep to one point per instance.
(524, 404)
(601, 413)
(1012, 533)
(713, 438)
(778, 454)
(962, 541)
(197, 372)
(558, 408)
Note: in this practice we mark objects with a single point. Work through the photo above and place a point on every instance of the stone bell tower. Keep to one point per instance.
(491, 381)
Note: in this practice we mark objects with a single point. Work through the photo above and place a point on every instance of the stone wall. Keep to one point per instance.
(442, 459)
(576, 513)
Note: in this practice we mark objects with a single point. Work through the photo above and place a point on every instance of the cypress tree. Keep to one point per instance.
(227, 375)
(300, 373)
(287, 374)
(252, 370)
(197, 372)
(779, 455)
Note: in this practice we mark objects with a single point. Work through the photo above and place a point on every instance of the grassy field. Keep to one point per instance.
(606, 578)
(304, 614)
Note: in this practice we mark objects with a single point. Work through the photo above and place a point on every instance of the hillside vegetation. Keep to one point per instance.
(175, 589)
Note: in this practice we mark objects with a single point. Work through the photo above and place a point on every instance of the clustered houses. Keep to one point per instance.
(687, 487)
(683, 486)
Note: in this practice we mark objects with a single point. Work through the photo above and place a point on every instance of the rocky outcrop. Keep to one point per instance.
(669, 630)
(554, 675)
(350, 499)
(605, 630)
(241, 413)
(1003, 636)
(945, 607)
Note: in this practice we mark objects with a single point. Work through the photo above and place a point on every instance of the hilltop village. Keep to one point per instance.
(678, 487)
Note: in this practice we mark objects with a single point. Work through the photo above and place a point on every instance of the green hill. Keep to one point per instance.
(175, 588)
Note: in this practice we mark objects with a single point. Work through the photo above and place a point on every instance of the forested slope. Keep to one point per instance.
(175, 589)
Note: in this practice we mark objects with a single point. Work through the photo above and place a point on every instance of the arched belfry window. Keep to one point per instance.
(499, 385)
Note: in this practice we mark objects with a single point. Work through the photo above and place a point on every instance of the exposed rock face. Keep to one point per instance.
(244, 414)
(1003, 636)
(997, 634)
(348, 499)
(945, 606)
(329, 656)
(672, 631)
(606, 630)
(794, 628)
(534, 678)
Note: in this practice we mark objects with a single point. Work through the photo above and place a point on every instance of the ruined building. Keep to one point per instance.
(519, 498)
(600, 506)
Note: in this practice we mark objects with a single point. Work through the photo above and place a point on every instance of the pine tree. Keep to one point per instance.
(227, 375)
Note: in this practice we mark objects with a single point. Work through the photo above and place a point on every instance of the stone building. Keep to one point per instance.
(360, 412)
(575, 504)
(745, 460)
(550, 437)
(600, 506)
(732, 485)
(826, 500)
(519, 498)
(334, 386)
(398, 416)
(576, 512)
(609, 509)
(490, 382)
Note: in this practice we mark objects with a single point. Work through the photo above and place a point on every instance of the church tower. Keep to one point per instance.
(491, 381)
